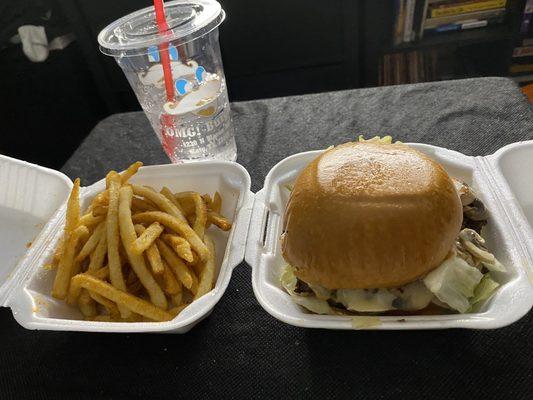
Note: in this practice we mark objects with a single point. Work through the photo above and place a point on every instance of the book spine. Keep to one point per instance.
(523, 51)
(480, 15)
(466, 8)
(398, 32)
(408, 25)
(424, 16)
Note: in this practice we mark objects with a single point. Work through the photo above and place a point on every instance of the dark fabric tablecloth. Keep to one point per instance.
(242, 352)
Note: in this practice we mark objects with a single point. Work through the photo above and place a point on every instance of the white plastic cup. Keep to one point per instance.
(195, 123)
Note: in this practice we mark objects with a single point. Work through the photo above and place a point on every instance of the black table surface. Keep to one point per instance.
(240, 351)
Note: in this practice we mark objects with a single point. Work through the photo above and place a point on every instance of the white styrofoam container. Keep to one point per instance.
(29, 195)
(502, 181)
(27, 288)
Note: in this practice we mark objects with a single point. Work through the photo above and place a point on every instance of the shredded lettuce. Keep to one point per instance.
(484, 290)
(453, 283)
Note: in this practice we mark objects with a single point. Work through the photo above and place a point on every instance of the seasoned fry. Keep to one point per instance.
(159, 200)
(187, 202)
(184, 274)
(146, 239)
(98, 255)
(110, 307)
(216, 205)
(121, 298)
(89, 220)
(179, 245)
(135, 287)
(101, 199)
(87, 306)
(207, 276)
(130, 171)
(177, 299)
(142, 205)
(152, 254)
(171, 286)
(127, 233)
(99, 211)
(176, 310)
(73, 208)
(200, 212)
(66, 264)
(59, 249)
(168, 194)
(102, 273)
(218, 220)
(113, 238)
(91, 244)
(177, 226)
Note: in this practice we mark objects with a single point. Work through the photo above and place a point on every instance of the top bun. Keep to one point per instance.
(370, 215)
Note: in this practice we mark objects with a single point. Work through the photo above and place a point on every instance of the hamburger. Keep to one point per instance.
(376, 227)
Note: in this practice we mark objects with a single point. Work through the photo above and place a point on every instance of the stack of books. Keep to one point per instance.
(414, 18)
(408, 67)
(521, 68)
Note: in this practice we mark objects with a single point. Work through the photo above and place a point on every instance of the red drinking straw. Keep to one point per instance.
(162, 26)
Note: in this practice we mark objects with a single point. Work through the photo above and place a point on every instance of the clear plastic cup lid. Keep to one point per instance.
(186, 19)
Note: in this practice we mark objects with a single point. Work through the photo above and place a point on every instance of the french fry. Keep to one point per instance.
(187, 203)
(146, 239)
(113, 238)
(73, 208)
(218, 220)
(177, 226)
(89, 220)
(209, 204)
(135, 287)
(87, 306)
(130, 171)
(207, 276)
(176, 310)
(110, 307)
(200, 215)
(184, 274)
(171, 286)
(159, 200)
(152, 254)
(102, 198)
(179, 245)
(216, 205)
(121, 298)
(169, 195)
(59, 249)
(99, 211)
(102, 273)
(99, 253)
(66, 264)
(177, 299)
(142, 205)
(127, 233)
(208, 200)
(91, 244)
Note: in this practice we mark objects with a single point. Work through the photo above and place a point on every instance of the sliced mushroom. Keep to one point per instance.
(476, 210)
(466, 194)
(475, 245)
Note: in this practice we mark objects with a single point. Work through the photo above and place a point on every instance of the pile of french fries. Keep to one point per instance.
(136, 254)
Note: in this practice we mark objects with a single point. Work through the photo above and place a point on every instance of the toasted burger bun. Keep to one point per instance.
(368, 215)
